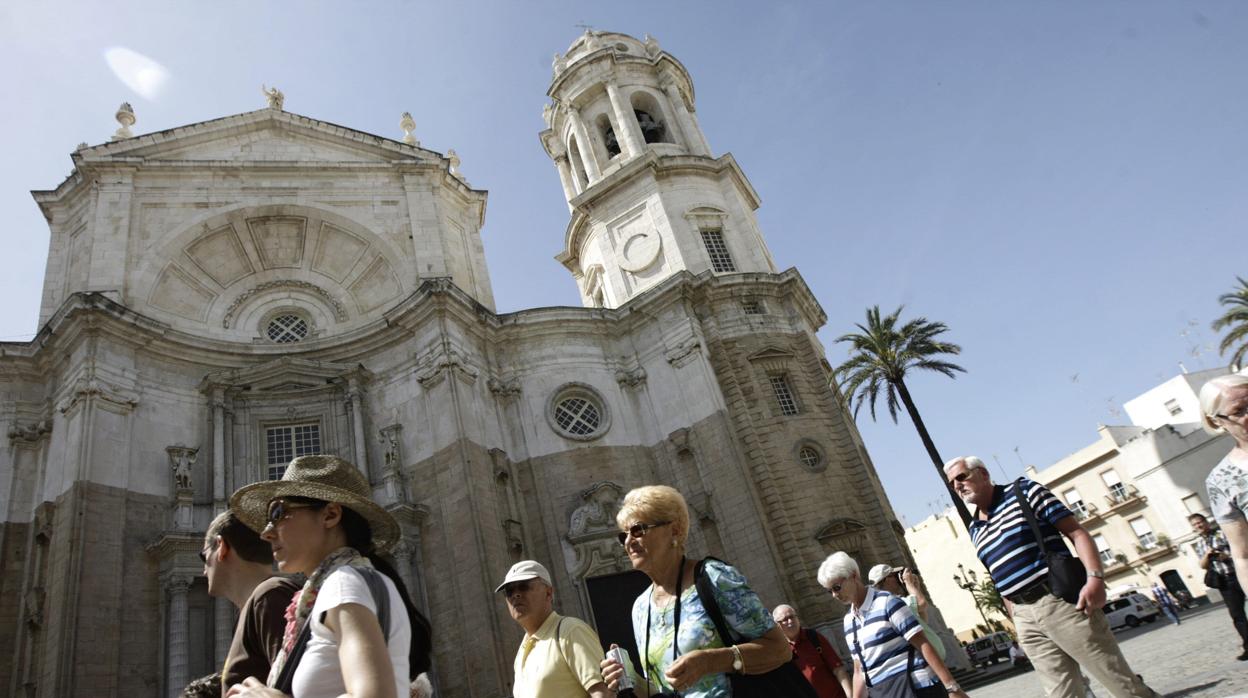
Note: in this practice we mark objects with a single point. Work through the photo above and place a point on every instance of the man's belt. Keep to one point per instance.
(1031, 594)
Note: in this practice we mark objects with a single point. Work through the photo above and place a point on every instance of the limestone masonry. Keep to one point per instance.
(223, 296)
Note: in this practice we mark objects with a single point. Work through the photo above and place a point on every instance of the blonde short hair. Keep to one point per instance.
(1211, 396)
(652, 504)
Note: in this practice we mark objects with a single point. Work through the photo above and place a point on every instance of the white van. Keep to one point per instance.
(989, 649)
(1130, 610)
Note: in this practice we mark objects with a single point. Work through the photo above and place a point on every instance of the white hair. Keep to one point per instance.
(839, 565)
(972, 463)
(1212, 395)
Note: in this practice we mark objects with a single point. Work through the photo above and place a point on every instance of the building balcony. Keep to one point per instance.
(1157, 550)
(1087, 514)
(1115, 564)
(1125, 498)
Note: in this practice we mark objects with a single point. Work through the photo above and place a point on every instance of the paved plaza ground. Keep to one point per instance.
(1192, 660)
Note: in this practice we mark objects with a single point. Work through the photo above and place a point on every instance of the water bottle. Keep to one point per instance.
(625, 688)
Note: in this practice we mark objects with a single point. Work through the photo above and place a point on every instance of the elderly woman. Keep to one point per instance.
(1224, 408)
(892, 656)
(680, 648)
(321, 522)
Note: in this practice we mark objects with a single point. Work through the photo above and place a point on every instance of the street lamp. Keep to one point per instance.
(971, 585)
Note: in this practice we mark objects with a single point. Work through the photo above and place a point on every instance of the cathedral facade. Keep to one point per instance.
(226, 295)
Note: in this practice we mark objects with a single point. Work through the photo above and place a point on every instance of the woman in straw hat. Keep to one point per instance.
(322, 523)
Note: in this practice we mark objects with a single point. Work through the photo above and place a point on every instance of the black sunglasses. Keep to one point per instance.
(964, 476)
(280, 509)
(637, 530)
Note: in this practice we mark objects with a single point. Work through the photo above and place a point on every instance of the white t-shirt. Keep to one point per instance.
(319, 673)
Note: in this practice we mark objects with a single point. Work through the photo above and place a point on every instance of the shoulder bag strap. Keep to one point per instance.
(706, 593)
(381, 597)
(1025, 506)
(857, 649)
(559, 642)
(285, 680)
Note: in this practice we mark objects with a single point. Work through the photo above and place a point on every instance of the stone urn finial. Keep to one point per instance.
(125, 117)
(408, 124)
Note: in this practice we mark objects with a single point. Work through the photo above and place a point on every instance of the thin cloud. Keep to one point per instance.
(140, 73)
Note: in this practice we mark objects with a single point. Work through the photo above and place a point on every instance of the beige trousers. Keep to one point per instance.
(1059, 640)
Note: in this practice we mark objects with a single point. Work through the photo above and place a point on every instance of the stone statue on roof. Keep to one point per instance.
(275, 97)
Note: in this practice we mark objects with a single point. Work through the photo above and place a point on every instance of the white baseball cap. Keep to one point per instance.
(880, 572)
(524, 571)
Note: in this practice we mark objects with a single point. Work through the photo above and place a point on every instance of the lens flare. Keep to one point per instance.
(140, 73)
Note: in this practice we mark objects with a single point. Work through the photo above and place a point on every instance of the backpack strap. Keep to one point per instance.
(814, 640)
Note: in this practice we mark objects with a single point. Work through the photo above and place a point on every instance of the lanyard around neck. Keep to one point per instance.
(680, 581)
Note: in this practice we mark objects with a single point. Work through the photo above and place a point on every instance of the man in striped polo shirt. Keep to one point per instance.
(1058, 637)
(886, 641)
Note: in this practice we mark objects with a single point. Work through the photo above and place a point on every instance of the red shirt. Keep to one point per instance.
(818, 664)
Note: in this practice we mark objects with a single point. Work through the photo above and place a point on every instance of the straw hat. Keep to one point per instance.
(328, 478)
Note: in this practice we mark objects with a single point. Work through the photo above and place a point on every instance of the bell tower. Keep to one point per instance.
(647, 197)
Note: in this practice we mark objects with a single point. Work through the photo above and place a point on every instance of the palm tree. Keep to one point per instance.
(1236, 318)
(881, 356)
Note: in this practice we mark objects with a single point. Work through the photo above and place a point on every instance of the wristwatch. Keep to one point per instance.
(953, 688)
(737, 664)
(1097, 573)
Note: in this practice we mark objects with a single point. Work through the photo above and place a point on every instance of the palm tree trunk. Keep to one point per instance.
(932, 452)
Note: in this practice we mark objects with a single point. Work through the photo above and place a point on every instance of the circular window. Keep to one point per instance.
(810, 456)
(578, 412)
(287, 328)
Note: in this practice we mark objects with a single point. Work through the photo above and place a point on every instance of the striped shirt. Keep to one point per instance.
(879, 633)
(1005, 543)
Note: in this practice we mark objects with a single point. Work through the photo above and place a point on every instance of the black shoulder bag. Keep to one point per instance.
(785, 680)
(1067, 574)
(381, 597)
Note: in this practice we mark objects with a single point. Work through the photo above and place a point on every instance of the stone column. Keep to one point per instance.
(218, 450)
(223, 625)
(693, 138)
(628, 130)
(585, 145)
(177, 623)
(355, 412)
(566, 178)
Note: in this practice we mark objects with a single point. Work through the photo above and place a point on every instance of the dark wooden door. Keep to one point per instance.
(612, 600)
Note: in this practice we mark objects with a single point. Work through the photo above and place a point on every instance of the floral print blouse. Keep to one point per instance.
(743, 611)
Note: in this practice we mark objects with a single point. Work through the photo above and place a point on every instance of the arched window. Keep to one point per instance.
(650, 118)
(607, 132)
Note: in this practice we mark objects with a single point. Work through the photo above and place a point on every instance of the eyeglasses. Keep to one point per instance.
(521, 587)
(637, 530)
(1235, 416)
(207, 552)
(963, 476)
(280, 509)
(836, 588)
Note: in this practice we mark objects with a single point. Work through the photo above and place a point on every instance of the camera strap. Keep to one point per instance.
(680, 581)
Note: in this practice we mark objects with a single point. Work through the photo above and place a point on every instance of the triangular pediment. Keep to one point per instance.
(770, 354)
(285, 374)
(266, 135)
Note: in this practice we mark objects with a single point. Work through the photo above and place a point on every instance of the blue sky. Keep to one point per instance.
(1062, 183)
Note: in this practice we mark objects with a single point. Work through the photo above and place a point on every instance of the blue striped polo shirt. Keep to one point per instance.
(879, 633)
(1005, 543)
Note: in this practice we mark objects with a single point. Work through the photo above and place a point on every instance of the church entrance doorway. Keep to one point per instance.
(611, 599)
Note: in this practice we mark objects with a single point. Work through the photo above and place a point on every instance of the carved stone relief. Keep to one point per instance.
(591, 548)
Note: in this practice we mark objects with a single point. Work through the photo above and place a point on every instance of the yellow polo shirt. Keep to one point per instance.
(544, 671)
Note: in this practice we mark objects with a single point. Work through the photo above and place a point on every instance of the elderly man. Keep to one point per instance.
(813, 655)
(903, 583)
(1057, 636)
(559, 656)
(239, 566)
